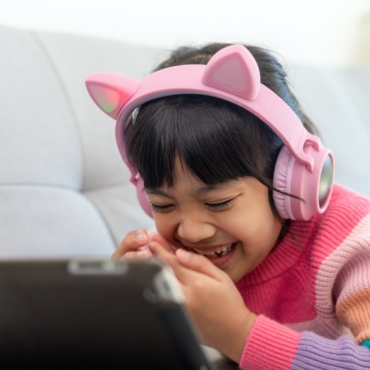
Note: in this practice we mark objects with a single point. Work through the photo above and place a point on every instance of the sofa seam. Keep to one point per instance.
(63, 88)
(75, 191)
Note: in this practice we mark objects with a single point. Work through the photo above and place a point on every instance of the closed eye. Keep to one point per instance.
(219, 206)
(157, 208)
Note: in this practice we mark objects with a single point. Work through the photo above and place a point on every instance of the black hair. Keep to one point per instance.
(214, 139)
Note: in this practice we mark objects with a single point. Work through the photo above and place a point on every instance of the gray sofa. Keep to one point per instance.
(63, 188)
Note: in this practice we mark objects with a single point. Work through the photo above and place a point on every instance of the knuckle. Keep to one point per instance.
(130, 237)
(131, 242)
(129, 256)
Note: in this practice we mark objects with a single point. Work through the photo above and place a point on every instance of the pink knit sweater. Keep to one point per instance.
(309, 296)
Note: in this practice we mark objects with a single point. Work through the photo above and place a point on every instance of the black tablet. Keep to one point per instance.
(95, 314)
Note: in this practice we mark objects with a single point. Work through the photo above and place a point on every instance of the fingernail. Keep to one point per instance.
(183, 254)
(141, 236)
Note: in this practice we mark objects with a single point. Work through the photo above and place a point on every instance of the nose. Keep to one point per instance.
(194, 230)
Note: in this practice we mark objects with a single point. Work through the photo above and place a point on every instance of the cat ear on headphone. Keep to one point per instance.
(111, 91)
(234, 70)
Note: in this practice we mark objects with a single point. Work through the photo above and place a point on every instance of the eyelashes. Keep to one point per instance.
(157, 208)
(212, 206)
(219, 206)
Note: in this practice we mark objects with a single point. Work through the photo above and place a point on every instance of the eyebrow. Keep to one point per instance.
(201, 190)
(157, 192)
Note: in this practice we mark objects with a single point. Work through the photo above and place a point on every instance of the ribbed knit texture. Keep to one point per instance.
(318, 353)
(281, 342)
(307, 294)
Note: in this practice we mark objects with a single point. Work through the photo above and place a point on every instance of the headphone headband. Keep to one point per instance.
(232, 74)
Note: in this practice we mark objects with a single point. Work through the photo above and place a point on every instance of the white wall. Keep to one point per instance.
(324, 32)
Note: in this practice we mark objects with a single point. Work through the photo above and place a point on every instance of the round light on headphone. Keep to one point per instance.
(326, 181)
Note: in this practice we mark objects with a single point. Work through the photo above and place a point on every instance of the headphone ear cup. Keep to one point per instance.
(311, 190)
(282, 179)
(142, 197)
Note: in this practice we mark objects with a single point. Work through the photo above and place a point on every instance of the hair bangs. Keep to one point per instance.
(215, 140)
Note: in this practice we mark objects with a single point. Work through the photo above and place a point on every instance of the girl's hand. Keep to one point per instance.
(212, 298)
(134, 245)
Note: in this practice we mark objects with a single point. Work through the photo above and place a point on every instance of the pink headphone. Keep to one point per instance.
(304, 167)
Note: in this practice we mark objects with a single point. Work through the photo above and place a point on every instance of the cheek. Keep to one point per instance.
(261, 217)
(257, 227)
(164, 225)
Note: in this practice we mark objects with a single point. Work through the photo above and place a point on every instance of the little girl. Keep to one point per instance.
(272, 257)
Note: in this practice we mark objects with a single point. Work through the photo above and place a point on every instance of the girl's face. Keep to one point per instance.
(231, 224)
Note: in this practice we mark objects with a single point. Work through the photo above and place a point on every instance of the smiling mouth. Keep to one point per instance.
(221, 252)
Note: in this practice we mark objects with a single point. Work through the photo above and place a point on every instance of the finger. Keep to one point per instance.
(183, 273)
(159, 239)
(132, 242)
(163, 253)
(141, 254)
(199, 263)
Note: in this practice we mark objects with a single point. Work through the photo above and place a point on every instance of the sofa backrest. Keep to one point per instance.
(337, 101)
(63, 188)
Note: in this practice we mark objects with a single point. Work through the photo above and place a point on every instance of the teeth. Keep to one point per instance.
(222, 252)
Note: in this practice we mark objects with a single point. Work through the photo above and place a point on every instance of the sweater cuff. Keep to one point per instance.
(270, 345)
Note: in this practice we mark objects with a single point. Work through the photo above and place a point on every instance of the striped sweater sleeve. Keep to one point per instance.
(272, 346)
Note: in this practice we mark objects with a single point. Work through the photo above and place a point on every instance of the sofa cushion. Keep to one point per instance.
(63, 187)
(44, 221)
